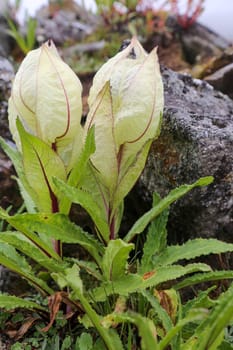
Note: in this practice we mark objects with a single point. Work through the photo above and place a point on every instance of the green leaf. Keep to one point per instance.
(204, 277)
(175, 194)
(31, 33)
(145, 326)
(86, 200)
(40, 163)
(132, 173)
(192, 249)
(84, 342)
(194, 316)
(9, 252)
(59, 227)
(110, 337)
(115, 259)
(23, 244)
(74, 280)
(160, 311)
(156, 239)
(208, 333)
(202, 300)
(134, 283)
(89, 266)
(78, 171)
(29, 276)
(9, 302)
(20, 223)
(17, 161)
(13, 154)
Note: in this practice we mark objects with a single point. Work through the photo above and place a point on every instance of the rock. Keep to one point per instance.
(5, 38)
(196, 140)
(222, 79)
(199, 43)
(9, 194)
(83, 48)
(68, 24)
(6, 75)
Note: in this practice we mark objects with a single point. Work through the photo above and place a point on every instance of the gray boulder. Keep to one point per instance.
(196, 140)
(9, 194)
(6, 76)
(222, 79)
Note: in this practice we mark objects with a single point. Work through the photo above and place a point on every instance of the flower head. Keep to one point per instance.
(46, 96)
(126, 104)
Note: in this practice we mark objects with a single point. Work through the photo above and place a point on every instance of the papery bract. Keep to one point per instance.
(126, 104)
(46, 96)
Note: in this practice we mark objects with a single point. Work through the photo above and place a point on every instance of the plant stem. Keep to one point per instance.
(95, 319)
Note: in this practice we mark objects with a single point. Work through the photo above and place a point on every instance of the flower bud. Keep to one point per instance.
(46, 96)
(126, 104)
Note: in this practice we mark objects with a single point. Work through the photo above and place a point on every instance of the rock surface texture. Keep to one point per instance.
(196, 140)
(8, 189)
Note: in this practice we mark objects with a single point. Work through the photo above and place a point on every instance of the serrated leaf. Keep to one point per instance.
(10, 252)
(86, 200)
(204, 277)
(59, 227)
(19, 222)
(9, 302)
(175, 194)
(133, 282)
(23, 244)
(201, 300)
(156, 239)
(73, 279)
(89, 266)
(208, 332)
(29, 276)
(145, 327)
(114, 261)
(194, 316)
(159, 310)
(192, 249)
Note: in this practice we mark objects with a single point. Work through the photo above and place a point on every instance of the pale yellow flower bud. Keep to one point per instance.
(126, 103)
(46, 96)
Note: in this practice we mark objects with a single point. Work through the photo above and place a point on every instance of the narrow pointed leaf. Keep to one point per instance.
(59, 227)
(10, 253)
(17, 161)
(175, 194)
(159, 310)
(194, 316)
(9, 302)
(156, 239)
(30, 277)
(19, 222)
(133, 282)
(86, 200)
(192, 249)
(209, 330)
(145, 327)
(24, 245)
(204, 277)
